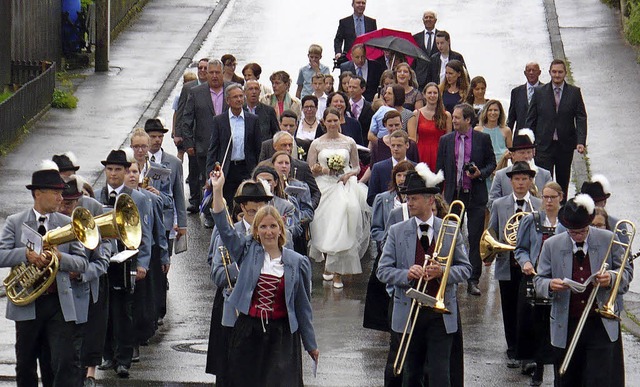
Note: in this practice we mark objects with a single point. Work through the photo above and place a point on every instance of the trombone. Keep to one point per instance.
(607, 310)
(450, 228)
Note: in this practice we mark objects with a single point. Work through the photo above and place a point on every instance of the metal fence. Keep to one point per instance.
(28, 101)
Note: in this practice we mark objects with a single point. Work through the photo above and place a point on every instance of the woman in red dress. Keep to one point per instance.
(428, 124)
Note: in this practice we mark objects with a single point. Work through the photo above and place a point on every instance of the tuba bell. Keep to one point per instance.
(122, 223)
(26, 281)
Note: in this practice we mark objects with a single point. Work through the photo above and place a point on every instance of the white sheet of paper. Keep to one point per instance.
(123, 256)
(578, 287)
(161, 174)
(31, 238)
(314, 368)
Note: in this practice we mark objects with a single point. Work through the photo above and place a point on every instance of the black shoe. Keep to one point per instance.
(135, 358)
(536, 379)
(207, 222)
(107, 365)
(528, 368)
(122, 371)
(513, 363)
(193, 209)
(535, 382)
(473, 289)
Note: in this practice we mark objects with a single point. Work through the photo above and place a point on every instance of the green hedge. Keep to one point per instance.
(632, 28)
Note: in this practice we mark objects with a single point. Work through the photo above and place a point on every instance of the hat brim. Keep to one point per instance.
(124, 164)
(521, 147)
(531, 173)
(67, 169)
(422, 190)
(245, 198)
(163, 130)
(46, 186)
(573, 224)
(72, 197)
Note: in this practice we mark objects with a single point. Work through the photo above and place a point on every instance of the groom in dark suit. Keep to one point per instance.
(351, 27)
(521, 98)
(467, 159)
(558, 119)
(235, 142)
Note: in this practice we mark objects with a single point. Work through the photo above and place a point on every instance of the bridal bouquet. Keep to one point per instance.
(336, 164)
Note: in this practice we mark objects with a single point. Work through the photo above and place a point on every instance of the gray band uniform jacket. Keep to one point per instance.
(398, 256)
(501, 185)
(13, 252)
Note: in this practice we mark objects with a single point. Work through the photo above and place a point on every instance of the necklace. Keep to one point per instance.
(312, 122)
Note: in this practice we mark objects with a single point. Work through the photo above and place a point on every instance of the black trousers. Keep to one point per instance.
(509, 302)
(48, 338)
(194, 181)
(94, 331)
(237, 174)
(430, 350)
(558, 162)
(200, 177)
(119, 341)
(475, 226)
(592, 360)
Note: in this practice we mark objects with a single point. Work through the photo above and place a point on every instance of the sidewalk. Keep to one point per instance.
(606, 69)
(146, 62)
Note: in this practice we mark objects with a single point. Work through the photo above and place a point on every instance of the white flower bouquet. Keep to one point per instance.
(336, 164)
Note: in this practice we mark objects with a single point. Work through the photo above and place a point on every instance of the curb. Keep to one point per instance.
(579, 165)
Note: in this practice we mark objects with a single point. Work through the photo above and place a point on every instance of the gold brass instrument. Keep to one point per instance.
(26, 281)
(608, 309)
(490, 246)
(145, 180)
(450, 228)
(123, 222)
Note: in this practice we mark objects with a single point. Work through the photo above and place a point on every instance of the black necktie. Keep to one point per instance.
(41, 227)
(520, 203)
(580, 253)
(112, 198)
(153, 158)
(424, 239)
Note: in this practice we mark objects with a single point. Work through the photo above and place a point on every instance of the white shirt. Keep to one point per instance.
(429, 222)
(273, 267)
(527, 202)
(443, 65)
(46, 220)
(585, 248)
(395, 162)
(237, 135)
(118, 190)
(247, 227)
(157, 156)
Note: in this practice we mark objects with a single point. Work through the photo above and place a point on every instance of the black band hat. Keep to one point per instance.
(47, 177)
(117, 157)
(524, 139)
(598, 188)
(252, 192)
(66, 162)
(577, 212)
(73, 190)
(155, 125)
(421, 181)
(521, 168)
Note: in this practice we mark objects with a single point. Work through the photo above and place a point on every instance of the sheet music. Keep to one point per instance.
(578, 287)
(31, 238)
(123, 256)
(156, 173)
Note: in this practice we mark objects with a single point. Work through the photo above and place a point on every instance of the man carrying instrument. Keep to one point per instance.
(577, 254)
(508, 271)
(404, 262)
(45, 326)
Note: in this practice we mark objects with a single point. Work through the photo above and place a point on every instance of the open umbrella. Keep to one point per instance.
(374, 53)
(400, 45)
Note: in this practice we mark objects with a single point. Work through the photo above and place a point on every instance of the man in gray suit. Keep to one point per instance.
(522, 149)
(576, 254)
(508, 271)
(46, 326)
(203, 103)
(409, 244)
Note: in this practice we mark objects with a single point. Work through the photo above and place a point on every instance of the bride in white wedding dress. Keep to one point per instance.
(340, 227)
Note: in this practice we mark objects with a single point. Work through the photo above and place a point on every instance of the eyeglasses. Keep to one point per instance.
(550, 197)
(581, 231)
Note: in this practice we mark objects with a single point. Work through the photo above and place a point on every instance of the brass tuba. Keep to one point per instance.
(122, 223)
(26, 281)
(449, 229)
(490, 246)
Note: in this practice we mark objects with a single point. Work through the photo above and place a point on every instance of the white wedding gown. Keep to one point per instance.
(340, 227)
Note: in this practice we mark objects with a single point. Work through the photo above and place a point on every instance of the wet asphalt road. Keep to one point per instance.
(269, 32)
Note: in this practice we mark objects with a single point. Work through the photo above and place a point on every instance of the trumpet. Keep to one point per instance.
(146, 179)
(226, 261)
(490, 247)
(607, 310)
(450, 228)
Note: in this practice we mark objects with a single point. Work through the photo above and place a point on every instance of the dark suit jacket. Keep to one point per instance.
(221, 135)
(434, 66)
(197, 119)
(518, 107)
(481, 154)
(300, 171)
(182, 101)
(365, 118)
(570, 120)
(373, 77)
(267, 120)
(421, 67)
(346, 32)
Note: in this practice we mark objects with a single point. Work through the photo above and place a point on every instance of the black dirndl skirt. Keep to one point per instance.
(533, 336)
(376, 304)
(218, 348)
(258, 358)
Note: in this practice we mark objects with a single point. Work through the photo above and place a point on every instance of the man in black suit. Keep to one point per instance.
(427, 42)
(467, 159)
(440, 59)
(235, 142)
(360, 107)
(266, 114)
(558, 118)
(289, 124)
(521, 98)
(197, 121)
(176, 134)
(381, 171)
(351, 27)
(370, 70)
